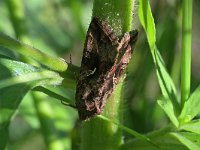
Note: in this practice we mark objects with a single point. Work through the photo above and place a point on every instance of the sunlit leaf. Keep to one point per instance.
(165, 81)
(192, 126)
(147, 21)
(167, 106)
(191, 106)
(167, 86)
(52, 62)
(16, 79)
(185, 141)
(163, 141)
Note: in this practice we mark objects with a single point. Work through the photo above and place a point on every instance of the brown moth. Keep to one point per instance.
(105, 57)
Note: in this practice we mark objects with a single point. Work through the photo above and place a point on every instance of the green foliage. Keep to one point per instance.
(28, 51)
(147, 21)
(166, 84)
(121, 22)
(185, 141)
(170, 103)
(18, 78)
(25, 70)
(192, 126)
(187, 113)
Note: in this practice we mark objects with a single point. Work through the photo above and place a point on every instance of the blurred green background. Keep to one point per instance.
(58, 27)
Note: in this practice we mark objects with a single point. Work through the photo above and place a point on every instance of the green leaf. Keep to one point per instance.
(43, 77)
(147, 21)
(16, 79)
(185, 141)
(167, 106)
(195, 138)
(193, 126)
(163, 141)
(54, 63)
(191, 106)
(167, 86)
(165, 81)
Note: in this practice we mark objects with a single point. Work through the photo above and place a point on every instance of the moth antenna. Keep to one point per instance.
(70, 63)
(70, 59)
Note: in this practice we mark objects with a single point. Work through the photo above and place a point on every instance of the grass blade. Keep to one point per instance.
(166, 84)
(147, 21)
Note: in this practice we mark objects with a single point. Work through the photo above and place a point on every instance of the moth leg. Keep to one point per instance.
(70, 59)
(91, 72)
(68, 104)
(96, 103)
(76, 75)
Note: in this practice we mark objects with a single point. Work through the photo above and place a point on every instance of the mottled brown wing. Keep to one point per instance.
(102, 64)
(125, 48)
(99, 56)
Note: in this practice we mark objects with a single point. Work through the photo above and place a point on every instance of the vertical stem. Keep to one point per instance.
(99, 134)
(117, 13)
(186, 49)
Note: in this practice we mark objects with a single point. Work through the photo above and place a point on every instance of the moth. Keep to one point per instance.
(105, 57)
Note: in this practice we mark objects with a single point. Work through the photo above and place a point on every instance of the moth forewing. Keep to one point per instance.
(103, 62)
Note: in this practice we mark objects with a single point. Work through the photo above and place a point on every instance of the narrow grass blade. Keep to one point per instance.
(147, 21)
(166, 84)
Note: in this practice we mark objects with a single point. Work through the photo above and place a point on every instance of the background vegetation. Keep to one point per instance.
(58, 28)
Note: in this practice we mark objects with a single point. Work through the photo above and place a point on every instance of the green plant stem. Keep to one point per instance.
(186, 49)
(54, 63)
(97, 133)
(100, 134)
(117, 13)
